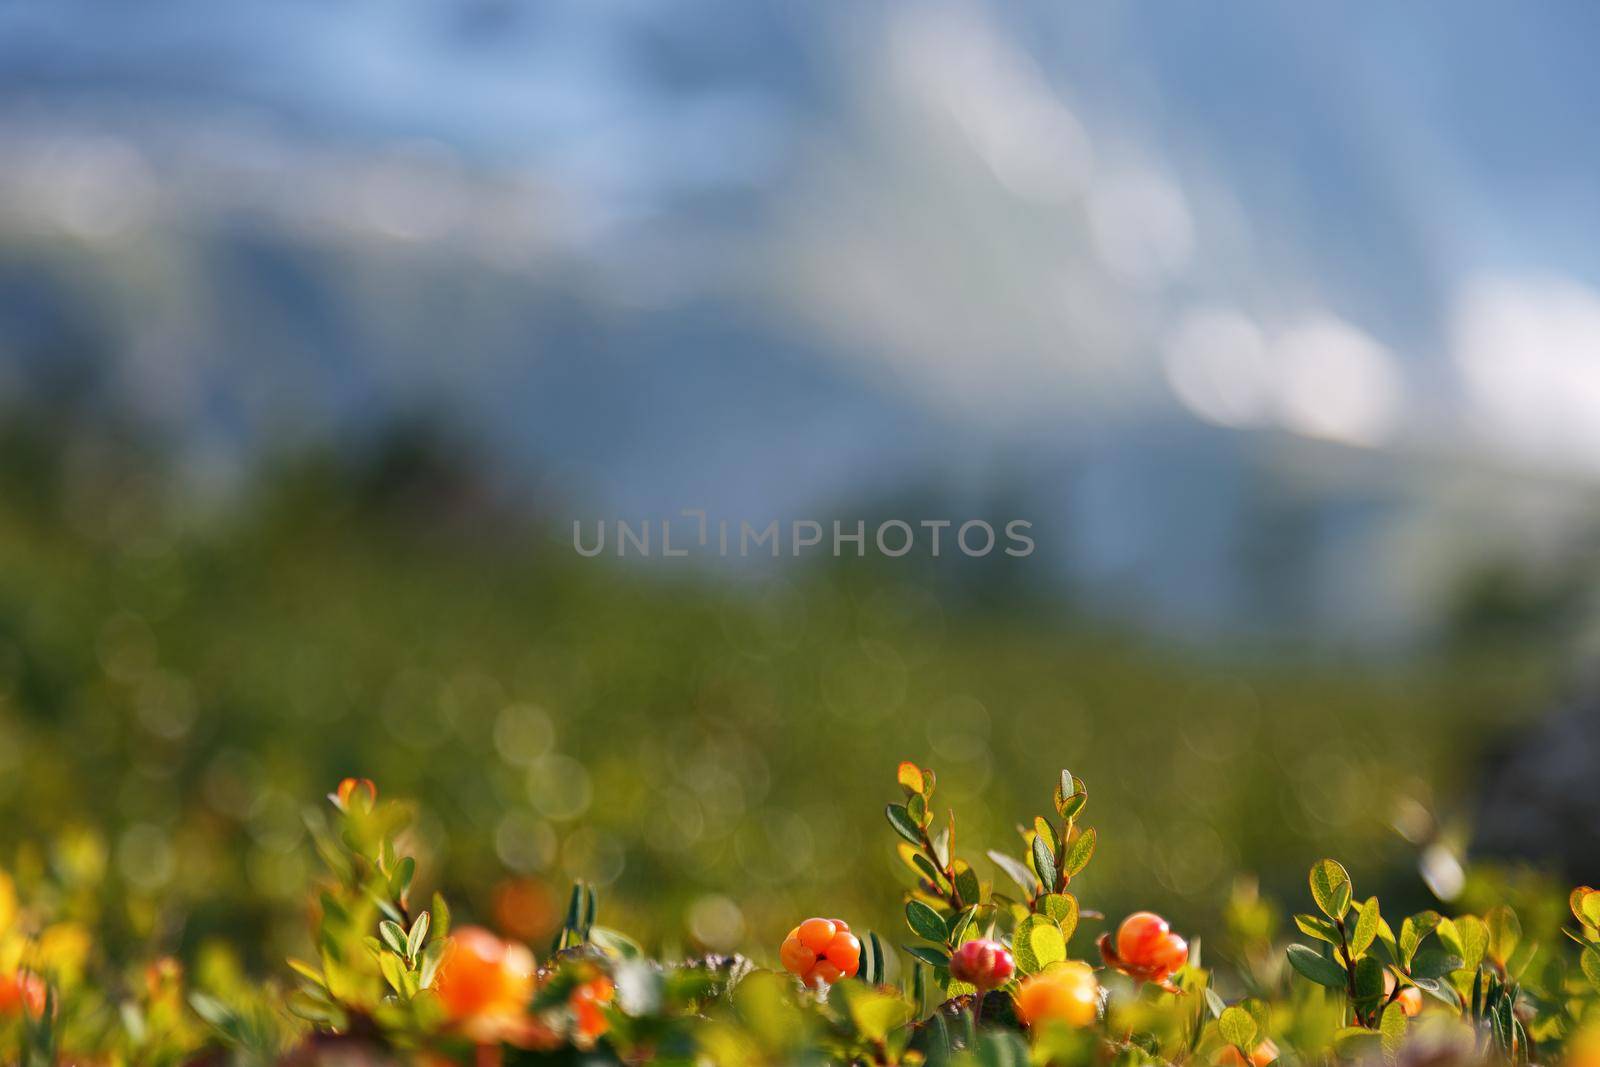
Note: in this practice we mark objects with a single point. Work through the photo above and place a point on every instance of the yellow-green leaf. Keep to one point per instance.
(1392, 1027)
(1590, 961)
(1505, 931)
(1330, 888)
(1238, 1029)
(1063, 908)
(1079, 853)
(1366, 930)
(1038, 943)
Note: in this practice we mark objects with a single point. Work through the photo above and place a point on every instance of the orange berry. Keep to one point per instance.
(1172, 954)
(1583, 1047)
(844, 952)
(1410, 1000)
(1262, 1055)
(797, 958)
(587, 1002)
(1140, 935)
(21, 992)
(825, 972)
(483, 976)
(815, 934)
(1064, 992)
(1146, 948)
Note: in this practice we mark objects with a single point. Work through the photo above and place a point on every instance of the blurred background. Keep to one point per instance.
(321, 323)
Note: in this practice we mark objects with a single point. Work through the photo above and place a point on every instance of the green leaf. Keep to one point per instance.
(1366, 931)
(212, 1010)
(874, 1012)
(1412, 933)
(312, 1010)
(1037, 943)
(1440, 990)
(927, 869)
(1317, 967)
(967, 885)
(418, 935)
(432, 956)
(1318, 927)
(1063, 908)
(1505, 931)
(1261, 1013)
(393, 936)
(400, 880)
(308, 972)
(1017, 870)
(441, 917)
(938, 957)
(1468, 937)
(903, 824)
(575, 907)
(1434, 963)
(1330, 888)
(917, 808)
(1079, 853)
(1064, 789)
(1238, 1029)
(941, 842)
(1044, 861)
(388, 909)
(962, 925)
(1355, 1042)
(393, 973)
(615, 943)
(1369, 983)
(926, 923)
(1590, 962)
(1392, 1027)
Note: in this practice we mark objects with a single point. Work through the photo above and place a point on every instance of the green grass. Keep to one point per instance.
(180, 682)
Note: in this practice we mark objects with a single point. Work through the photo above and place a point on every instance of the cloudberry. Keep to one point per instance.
(1146, 948)
(1260, 1056)
(821, 950)
(984, 964)
(588, 1006)
(483, 978)
(1063, 992)
(22, 991)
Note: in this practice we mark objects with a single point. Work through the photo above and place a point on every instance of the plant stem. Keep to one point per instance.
(1349, 969)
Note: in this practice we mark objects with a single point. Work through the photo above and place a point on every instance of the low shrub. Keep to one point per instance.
(982, 974)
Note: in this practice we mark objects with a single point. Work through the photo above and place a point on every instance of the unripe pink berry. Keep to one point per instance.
(984, 964)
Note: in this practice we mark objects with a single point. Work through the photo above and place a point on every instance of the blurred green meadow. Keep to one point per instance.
(183, 674)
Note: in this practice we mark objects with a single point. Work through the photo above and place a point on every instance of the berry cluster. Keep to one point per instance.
(1146, 948)
(821, 951)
